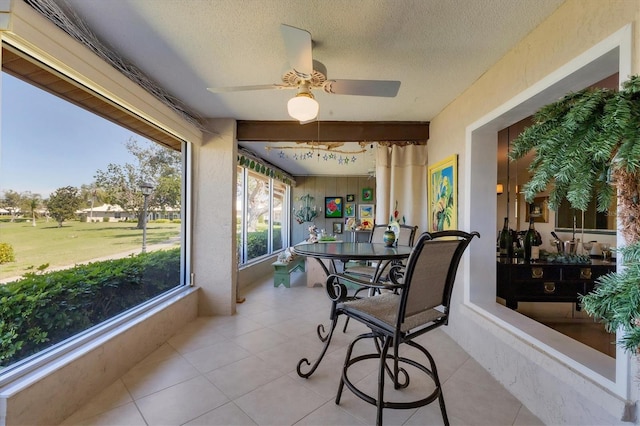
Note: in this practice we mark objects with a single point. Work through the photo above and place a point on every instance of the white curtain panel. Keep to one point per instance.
(401, 175)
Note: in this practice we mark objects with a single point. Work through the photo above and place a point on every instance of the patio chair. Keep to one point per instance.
(420, 304)
(406, 237)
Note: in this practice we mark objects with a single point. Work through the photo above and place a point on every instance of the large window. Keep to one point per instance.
(90, 218)
(262, 220)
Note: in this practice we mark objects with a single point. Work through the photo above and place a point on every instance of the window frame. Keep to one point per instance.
(58, 83)
(242, 174)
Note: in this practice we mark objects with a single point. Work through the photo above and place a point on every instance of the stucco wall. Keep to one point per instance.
(547, 385)
(214, 218)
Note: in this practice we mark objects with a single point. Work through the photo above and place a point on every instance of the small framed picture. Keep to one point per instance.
(365, 211)
(337, 227)
(349, 209)
(367, 194)
(351, 198)
(333, 206)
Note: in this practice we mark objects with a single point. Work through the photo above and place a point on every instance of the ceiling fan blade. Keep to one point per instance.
(297, 42)
(245, 88)
(383, 88)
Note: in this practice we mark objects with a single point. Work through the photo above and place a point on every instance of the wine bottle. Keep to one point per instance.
(531, 242)
(504, 243)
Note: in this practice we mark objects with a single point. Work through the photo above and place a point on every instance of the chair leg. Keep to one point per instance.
(381, 373)
(346, 365)
(346, 323)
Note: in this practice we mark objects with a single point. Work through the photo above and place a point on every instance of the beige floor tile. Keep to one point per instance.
(330, 414)
(471, 394)
(526, 418)
(215, 356)
(241, 370)
(259, 340)
(147, 378)
(111, 397)
(227, 415)
(124, 415)
(181, 403)
(243, 376)
(198, 334)
(281, 402)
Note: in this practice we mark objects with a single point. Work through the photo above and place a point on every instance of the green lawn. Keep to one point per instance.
(75, 242)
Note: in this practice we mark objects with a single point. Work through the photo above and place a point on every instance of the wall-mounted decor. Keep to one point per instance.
(539, 210)
(443, 194)
(365, 211)
(367, 194)
(351, 198)
(306, 211)
(337, 227)
(333, 206)
(349, 210)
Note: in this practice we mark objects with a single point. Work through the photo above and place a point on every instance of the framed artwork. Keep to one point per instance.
(367, 194)
(351, 198)
(333, 206)
(349, 209)
(539, 210)
(365, 211)
(443, 194)
(337, 227)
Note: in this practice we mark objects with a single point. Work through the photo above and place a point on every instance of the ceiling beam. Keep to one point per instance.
(330, 131)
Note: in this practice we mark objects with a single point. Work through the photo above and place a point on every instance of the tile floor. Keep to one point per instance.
(240, 370)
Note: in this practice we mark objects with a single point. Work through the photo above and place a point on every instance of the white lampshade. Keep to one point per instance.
(303, 107)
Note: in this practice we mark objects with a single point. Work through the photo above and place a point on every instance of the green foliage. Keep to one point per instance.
(63, 203)
(160, 166)
(582, 143)
(40, 310)
(176, 221)
(578, 140)
(256, 244)
(6, 253)
(616, 299)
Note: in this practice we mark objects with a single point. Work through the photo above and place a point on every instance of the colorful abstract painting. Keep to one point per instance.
(443, 194)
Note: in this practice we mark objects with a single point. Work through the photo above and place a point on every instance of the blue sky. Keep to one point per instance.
(47, 143)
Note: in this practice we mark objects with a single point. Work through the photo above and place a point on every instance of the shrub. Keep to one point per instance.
(176, 220)
(40, 310)
(6, 254)
(160, 221)
(256, 244)
(105, 218)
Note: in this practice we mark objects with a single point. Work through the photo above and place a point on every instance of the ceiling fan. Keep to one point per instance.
(307, 74)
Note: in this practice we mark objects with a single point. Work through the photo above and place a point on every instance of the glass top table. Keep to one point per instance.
(353, 251)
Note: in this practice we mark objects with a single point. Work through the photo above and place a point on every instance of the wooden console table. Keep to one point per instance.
(519, 281)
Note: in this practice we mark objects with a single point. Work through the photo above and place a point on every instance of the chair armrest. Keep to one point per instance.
(396, 274)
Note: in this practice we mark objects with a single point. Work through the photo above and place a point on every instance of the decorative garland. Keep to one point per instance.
(253, 162)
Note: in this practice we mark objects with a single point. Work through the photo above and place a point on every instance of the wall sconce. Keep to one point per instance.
(499, 189)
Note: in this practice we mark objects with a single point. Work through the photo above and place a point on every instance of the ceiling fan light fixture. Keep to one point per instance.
(303, 107)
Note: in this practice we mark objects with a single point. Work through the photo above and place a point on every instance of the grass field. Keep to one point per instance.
(75, 242)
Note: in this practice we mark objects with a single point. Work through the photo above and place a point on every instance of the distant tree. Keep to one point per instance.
(91, 196)
(63, 204)
(159, 166)
(31, 203)
(11, 202)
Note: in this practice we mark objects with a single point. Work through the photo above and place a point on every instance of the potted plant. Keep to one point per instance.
(588, 145)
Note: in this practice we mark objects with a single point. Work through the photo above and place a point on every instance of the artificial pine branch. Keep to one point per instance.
(587, 145)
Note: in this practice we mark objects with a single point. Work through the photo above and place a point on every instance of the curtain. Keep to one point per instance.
(401, 176)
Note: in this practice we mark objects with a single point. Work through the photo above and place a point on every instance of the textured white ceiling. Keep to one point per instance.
(436, 48)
